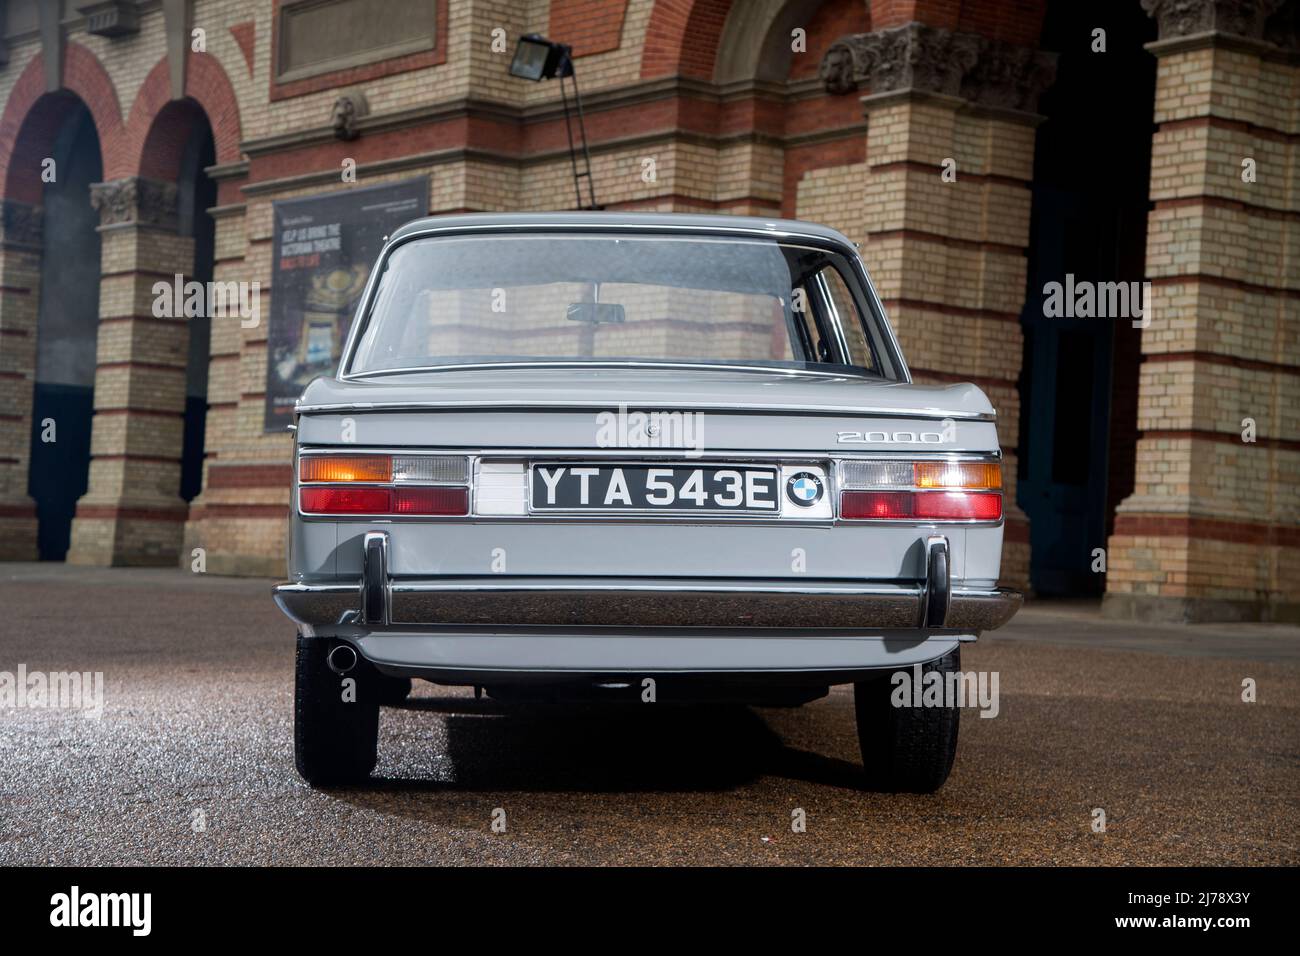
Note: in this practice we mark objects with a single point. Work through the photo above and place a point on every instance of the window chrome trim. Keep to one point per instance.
(833, 313)
(850, 252)
(854, 372)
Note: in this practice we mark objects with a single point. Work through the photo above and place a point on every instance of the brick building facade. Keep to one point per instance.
(974, 148)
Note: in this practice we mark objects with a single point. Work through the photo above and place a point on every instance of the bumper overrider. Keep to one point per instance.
(499, 624)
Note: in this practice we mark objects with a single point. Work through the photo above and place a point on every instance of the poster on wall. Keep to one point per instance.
(324, 248)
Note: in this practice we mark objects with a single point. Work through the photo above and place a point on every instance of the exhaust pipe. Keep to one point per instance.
(342, 659)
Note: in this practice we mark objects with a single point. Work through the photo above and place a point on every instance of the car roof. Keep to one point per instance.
(649, 221)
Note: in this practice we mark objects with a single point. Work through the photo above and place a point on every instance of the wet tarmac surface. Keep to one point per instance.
(192, 759)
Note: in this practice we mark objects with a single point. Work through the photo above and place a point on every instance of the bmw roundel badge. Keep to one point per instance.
(804, 489)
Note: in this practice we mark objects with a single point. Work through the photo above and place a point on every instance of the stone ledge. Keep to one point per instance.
(1214, 40)
(1187, 610)
(239, 565)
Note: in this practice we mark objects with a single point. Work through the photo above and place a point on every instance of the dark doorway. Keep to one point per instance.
(66, 330)
(197, 194)
(1078, 383)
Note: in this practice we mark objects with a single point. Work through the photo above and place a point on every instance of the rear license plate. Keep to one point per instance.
(676, 489)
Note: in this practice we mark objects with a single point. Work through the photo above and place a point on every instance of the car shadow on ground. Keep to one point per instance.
(607, 748)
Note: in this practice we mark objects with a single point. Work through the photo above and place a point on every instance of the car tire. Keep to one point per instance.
(335, 741)
(906, 749)
(391, 691)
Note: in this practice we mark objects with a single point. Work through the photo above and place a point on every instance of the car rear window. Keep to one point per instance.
(601, 298)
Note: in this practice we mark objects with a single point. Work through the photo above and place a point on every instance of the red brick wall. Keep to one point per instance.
(20, 156)
(153, 142)
(245, 35)
(894, 13)
(589, 26)
(683, 38)
(833, 20)
(683, 34)
(1016, 21)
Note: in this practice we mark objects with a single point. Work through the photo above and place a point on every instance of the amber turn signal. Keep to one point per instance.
(958, 474)
(345, 468)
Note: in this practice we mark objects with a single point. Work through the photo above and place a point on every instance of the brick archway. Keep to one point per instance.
(28, 126)
(756, 40)
(133, 512)
(30, 129)
(682, 38)
(150, 148)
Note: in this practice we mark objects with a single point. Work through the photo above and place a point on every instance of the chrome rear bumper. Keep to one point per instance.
(379, 601)
(646, 603)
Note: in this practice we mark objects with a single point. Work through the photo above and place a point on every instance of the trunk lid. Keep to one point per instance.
(568, 407)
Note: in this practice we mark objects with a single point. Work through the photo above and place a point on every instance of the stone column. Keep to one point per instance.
(1212, 529)
(132, 512)
(240, 517)
(20, 287)
(950, 152)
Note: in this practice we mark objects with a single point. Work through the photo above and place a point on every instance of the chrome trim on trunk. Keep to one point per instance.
(435, 405)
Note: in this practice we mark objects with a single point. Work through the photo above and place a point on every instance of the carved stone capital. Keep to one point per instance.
(20, 223)
(136, 201)
(935, 60)
(1008, 76)
(913, 56)
(1180, 18)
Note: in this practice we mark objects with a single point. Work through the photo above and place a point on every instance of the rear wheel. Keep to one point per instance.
(335, 724)
(907, 748)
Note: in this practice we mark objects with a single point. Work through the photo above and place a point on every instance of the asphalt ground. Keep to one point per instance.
(192, 762)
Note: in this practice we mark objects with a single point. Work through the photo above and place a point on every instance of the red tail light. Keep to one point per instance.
(385, 501)
(432, 501)
(371, 484)
(973, 506)
(924, 505)
(876, 504)
(346, 501)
